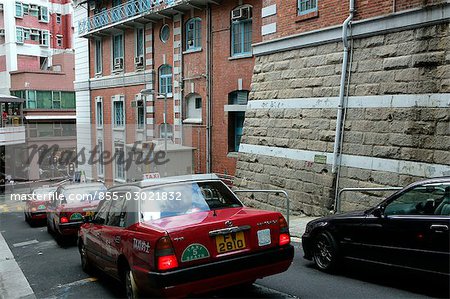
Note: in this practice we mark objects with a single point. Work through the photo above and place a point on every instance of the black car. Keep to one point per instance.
(410, 229)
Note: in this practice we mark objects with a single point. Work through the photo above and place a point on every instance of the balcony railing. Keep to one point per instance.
(121, 13)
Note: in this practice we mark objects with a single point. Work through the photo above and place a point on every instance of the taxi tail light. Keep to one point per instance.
(165, 255)
(63, 218)
(284, 238)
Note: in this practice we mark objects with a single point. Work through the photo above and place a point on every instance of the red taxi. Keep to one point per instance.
(36, 208)
(68, 206)
(183, 236)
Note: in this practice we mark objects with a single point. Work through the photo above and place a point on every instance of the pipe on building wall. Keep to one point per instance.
(209, 91)
(340, 111)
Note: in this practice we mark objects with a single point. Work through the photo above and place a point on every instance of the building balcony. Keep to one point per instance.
(135, 11)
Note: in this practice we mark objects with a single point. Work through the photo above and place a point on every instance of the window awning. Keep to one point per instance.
(10, 99)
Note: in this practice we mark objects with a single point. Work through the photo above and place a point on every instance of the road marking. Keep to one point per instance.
(281, 294)
(78, 282)
(26, 243)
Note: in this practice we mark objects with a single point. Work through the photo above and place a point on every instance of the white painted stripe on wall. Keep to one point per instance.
(269, 29)
(149, 121)
(150, 109)
(269, 11)
(363, 162)
(436, 100)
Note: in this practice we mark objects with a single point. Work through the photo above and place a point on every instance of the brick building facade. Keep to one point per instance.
(37, 64)
(193, 51)
(396, 101)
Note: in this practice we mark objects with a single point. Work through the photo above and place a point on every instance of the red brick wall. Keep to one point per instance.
(334, 12)
(225, 78)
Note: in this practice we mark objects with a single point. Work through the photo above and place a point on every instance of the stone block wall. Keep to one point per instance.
(395, 130)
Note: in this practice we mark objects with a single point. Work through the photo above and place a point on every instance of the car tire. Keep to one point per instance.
(85, 262)
(131, 289)
(325, 252)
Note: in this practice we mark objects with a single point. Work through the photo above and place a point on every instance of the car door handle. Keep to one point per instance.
(439, 228)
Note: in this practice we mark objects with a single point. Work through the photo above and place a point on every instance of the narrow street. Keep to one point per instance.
(55, 272)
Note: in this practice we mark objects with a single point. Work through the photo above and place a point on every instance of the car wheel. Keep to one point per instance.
(85, 263)
(130, 285)
(325, 251)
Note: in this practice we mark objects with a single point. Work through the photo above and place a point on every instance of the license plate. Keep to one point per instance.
(264, 237)
(230, 242)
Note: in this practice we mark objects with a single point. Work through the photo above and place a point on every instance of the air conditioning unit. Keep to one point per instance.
(2, 32)
(242, 13)
(92, 5)
(139, 61)
(118, 64)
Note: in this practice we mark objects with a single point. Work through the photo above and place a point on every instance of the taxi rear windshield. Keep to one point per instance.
(185, 198)
(85, 194)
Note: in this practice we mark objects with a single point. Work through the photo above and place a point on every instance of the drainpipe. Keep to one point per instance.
(340, 112)
(209, 92)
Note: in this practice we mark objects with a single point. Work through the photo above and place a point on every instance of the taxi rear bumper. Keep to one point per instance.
(215, 275)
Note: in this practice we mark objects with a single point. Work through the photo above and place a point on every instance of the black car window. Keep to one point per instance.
(101, 216)
(117, 213)
(421, 200)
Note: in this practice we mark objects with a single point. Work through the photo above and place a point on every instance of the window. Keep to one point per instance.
(56, 100)
(59, 40)
(35, 35)
(241, 34)
(193, 34)
(162, 131)
(117, 212)
(19, 10)
(140, 114)
(43, 14)
(118, 52)
(33, 10)
(100, 165)
(165, 80)
(19, 35)
(99, 112)
(306, 6)
(119, 163)
(193, 109)
(98, 56)
(238, 97)
(235, 129)
(57, 130)
(431, 199)
(31, 99)
(44, 38)
(164, 34)
(119, 113)
(58, 18)
(139, 42)
(236, 119)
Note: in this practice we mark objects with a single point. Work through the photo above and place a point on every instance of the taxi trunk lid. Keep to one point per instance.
(213, 235)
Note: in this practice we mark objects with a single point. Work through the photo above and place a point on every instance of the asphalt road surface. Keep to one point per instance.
(54, 271)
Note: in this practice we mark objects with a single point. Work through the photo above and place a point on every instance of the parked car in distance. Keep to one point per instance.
(183, 236)
(68, 206)
(36, 208)
(409, 229)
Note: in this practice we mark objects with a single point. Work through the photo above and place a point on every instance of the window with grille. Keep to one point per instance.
(119, 163)
(139, 42)
(100, 165)
(99, 112)
(119, 113)
(306, 6)
(193, 34)
(118, 46)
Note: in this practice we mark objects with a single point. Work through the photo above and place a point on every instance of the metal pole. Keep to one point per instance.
(165, 124)
(338, 199)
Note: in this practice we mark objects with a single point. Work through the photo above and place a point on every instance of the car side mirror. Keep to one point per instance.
(88, 219)
(378, 212)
